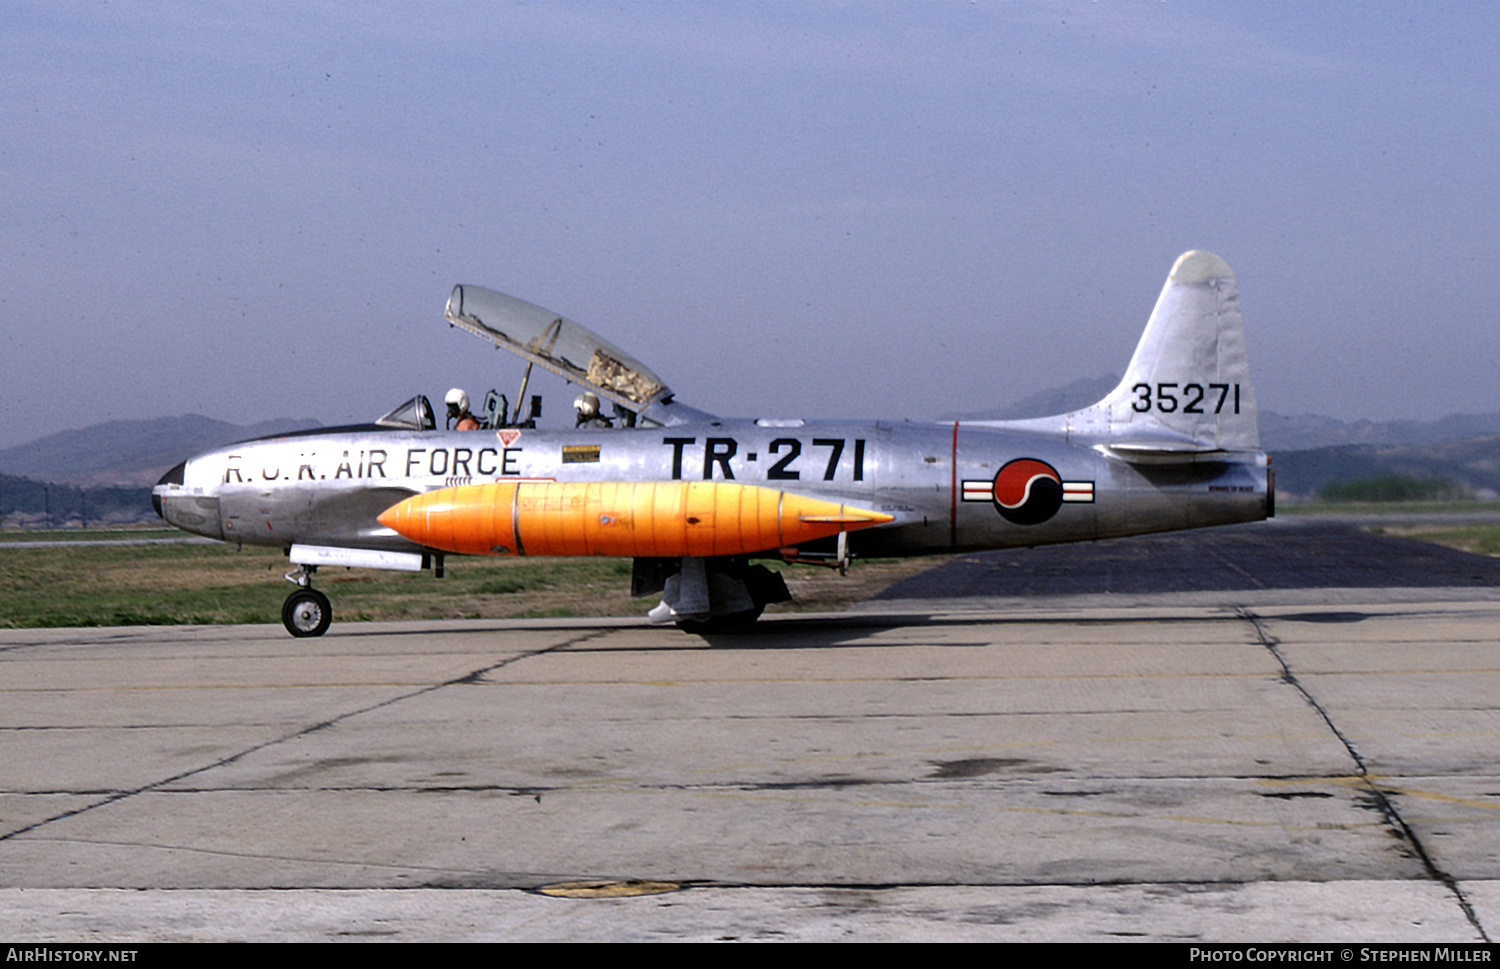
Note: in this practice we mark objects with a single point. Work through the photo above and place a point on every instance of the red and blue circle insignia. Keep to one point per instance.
(1028, 491)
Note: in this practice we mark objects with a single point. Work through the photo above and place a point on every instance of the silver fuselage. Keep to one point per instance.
(938, 481)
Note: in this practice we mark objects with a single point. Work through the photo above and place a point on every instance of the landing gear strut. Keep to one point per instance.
(714, 595)
(306, 612)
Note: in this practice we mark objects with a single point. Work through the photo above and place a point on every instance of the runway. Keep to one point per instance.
(1264, 763)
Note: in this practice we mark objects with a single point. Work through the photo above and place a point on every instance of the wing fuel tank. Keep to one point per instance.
(620, 518)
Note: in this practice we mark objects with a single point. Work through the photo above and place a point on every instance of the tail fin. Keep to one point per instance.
(1187, 391)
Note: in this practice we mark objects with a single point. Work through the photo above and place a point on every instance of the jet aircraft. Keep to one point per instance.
(695, 499)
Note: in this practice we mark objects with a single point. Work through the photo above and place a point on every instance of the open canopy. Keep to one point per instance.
(559, 344)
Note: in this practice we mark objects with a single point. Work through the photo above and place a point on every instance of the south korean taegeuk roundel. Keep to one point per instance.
(1028, 491)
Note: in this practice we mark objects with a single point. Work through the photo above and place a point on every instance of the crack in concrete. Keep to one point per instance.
(1379, 798)
(467, 678)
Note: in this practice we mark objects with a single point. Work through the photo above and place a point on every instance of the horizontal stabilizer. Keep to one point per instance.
(1146, 452)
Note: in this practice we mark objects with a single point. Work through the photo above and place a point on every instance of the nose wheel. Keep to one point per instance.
(306, 612)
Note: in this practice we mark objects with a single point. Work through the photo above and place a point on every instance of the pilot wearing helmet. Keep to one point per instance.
(587, 406)
(458, 409)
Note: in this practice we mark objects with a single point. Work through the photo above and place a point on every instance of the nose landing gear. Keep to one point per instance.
(306, 612)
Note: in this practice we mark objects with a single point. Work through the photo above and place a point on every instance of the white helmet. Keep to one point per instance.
(457, 399)
(587, 403)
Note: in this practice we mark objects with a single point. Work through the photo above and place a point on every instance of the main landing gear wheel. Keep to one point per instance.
(729, 623)
(306, 612)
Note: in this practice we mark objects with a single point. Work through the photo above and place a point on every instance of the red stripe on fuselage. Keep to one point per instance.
(953, 492)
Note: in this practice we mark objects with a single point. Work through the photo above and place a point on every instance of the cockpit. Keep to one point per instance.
(572, 352)
(417, 414)
(637, 396)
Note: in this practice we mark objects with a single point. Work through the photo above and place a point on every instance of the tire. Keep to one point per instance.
(733, 622)
(306, 612)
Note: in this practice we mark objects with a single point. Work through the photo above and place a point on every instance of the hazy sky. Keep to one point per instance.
(254, 210)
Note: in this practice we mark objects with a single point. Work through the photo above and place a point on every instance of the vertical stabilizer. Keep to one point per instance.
(1188, 386)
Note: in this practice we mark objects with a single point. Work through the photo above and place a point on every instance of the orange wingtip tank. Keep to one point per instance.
(646, 519)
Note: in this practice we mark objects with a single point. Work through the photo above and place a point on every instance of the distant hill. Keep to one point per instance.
(1474, 463)
(129, 453)
(1279, 432)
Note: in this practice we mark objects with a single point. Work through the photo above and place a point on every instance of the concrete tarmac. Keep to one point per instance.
(1263, 764)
